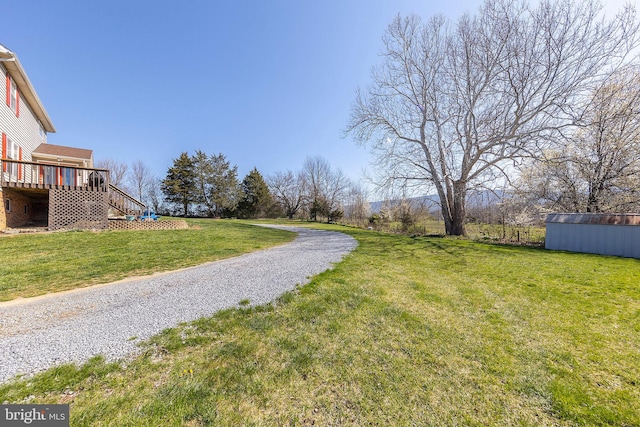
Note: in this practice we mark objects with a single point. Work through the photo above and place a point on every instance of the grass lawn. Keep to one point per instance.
(34, 264)
(533, 235)
(405, 331)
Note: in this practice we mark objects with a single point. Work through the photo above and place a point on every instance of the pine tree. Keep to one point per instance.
(179, 185)
(223, 189)
(256, 199)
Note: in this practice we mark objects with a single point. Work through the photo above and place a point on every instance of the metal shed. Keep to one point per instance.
(604, 234)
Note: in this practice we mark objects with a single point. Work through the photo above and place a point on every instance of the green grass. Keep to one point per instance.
(534, 235)
(34, 264)
(405, 331)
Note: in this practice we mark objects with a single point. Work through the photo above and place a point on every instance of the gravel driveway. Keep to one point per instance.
(38, 333)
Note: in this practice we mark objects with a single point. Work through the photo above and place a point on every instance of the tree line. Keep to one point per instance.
(207, 185)
(509, 112)
(540, 98)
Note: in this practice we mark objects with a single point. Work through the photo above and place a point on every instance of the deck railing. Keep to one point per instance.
(24, 174)
(124, 202)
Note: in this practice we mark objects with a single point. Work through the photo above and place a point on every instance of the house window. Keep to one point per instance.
(49, 174)
(7, 205)
(26, 209)
(13, 152)
(13, 97)
(68, 176)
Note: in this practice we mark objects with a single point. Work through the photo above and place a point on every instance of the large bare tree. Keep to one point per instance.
(154, 192)
(597, 167)
(324, 188)
(118, 171)
(357, 203)
(455, 105)
(140, 179)
(608, 146)
(288, 187)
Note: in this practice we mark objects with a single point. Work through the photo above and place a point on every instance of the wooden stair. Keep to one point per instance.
(124, 203)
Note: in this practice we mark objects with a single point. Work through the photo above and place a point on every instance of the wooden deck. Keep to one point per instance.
(31, 175)
(68, 191)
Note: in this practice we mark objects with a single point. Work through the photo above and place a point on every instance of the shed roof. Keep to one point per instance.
(51, 150)
(27, 92)
(594, 218)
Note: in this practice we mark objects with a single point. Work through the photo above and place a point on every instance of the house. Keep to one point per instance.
(45, 184)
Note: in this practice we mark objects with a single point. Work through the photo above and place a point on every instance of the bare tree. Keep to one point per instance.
(597, 167)
(118, 171)
(357, 207)
(608, 147)
(140, 178)
(324, 188)
(314, 171)
(553, 183)
(335, 191)
(154, 192)
(288, 188)
(454, 106)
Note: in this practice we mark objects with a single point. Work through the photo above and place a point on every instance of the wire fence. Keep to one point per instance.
(504, 233)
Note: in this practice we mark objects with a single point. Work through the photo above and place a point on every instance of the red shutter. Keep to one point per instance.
(20, 165)
(8, 91)
(4, 150)
(17, 103)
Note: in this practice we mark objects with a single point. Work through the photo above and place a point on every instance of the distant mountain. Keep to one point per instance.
(485, 198)
(425, 202)
(432, 202)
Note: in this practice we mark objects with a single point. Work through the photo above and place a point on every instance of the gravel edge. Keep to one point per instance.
(111, 320)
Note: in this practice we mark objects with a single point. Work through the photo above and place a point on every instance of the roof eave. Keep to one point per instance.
(55, 157)
(15, 70)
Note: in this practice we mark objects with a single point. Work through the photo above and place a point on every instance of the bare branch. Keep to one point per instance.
(455, 106)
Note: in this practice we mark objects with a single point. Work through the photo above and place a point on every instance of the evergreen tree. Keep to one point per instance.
(203, 175)
(256, 198)
(179, 185)
(225, 190)
(217, 187)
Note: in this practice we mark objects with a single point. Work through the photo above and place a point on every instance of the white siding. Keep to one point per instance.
(23, 130)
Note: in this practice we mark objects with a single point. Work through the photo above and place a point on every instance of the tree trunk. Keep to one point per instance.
(457, 225)
(594, 197)
(454, 213)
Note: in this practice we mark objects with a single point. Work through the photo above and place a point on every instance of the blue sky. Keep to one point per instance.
(266, 83)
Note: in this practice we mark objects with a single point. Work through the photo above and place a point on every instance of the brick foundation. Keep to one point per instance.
(118, 224)
(3, 215)
(20, 209)
(70, 209)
